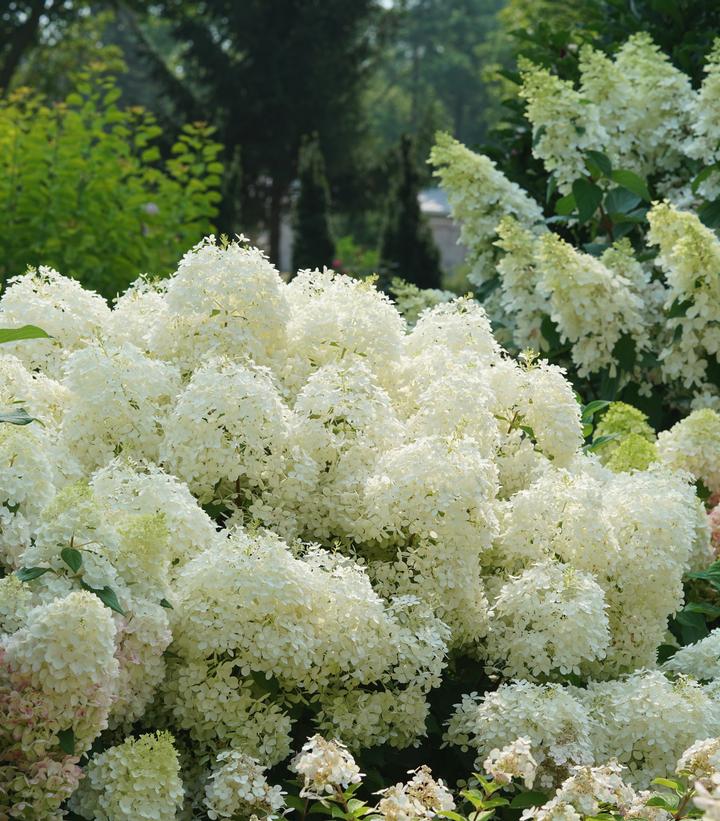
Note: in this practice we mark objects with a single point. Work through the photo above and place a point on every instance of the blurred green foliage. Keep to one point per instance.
(84, 188)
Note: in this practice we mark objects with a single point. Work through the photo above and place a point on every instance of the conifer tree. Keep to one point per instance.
(407, 248)
(313, 243)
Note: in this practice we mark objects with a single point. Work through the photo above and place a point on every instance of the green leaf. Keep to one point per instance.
(565, 205)
(659, 801)
(666, 782)
(107, 597)
(530, 798)
(295, 802)
(24, 332)
(453, 816)
(476, 798)
(165, 603)
(588, 197)
(678, 308)
(625, 352)
(709, 214)
(665, 652)
(67, 741)
(589, 410)
(631, 181)
(27, 574)
(600, 162)
(705, 608)
(689, 627)
(595, 444)
(620, 201)
(710, 574)
(17, 417)
(483, 816)
(702, 176)
(490, 803)
(551, 187)
(550, 332)
(72, 558)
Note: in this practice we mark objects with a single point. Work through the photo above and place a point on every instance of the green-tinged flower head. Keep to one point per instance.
(139, 778)
(632, 452)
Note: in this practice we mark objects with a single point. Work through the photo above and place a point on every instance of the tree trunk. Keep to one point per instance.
(21, 42)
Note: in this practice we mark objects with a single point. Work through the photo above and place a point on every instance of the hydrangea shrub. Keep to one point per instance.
(257, 511)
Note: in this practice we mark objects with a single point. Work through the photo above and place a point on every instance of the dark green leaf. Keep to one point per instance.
(624, 352)
(665, 652)
(710, 574)
(538, 135)
(588, 197)
(27, 574)
(72, 558)
(595, 249)
(688, 627)
(17, 417)
(565, 205)
(705, 608)
(620, 201)
(678, 308)
(550, 332)
(631, 181)
(600, 161)
(67, 741)
(702, 176)
(24, 332)
(709, 214)
(531, 798)
(109, 599)
(166, 603)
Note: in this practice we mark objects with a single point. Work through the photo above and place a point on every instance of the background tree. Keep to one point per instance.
(271, 73)
(313, 243)
(407, 248)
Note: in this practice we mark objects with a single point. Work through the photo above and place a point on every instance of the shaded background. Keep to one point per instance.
(312, 115)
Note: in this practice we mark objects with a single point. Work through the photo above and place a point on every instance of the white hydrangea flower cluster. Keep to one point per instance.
(689, 255)
(411, 301)
(422, 797)
(700, 660)
(515, 760)
(693, 444)
(642, 113)
(325, 767)
(565, 123)
(238, 787)
(642, 721)
(139, 778)
(256, 506)
(549, 717)
(549, 619)
(605, 529)
(480, 195)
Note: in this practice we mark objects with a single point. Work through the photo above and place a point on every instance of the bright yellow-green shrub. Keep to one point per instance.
(84, 188)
